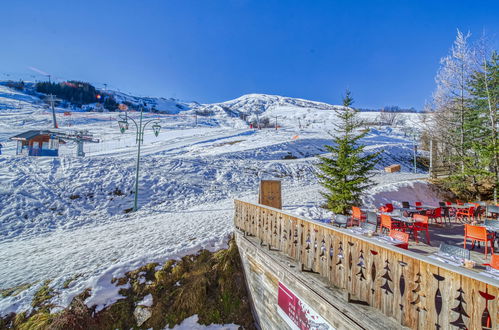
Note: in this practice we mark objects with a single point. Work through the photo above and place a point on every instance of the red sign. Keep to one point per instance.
(297, 314)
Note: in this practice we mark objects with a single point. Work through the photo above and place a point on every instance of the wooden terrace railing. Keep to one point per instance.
(417, 291)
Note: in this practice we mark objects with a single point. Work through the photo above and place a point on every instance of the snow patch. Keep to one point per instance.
(191, 323)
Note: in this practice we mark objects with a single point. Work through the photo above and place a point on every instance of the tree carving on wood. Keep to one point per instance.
(361, 266)
(340, 255)
(388, 279)
(323, 249)
(308, 242)
(459, 322)
(417, 292)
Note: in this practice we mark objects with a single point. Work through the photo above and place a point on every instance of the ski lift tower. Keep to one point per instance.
(79, 137)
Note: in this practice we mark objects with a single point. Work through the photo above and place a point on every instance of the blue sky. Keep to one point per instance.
(385, 52)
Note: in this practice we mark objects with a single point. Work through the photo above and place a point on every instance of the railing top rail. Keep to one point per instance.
(462, 271)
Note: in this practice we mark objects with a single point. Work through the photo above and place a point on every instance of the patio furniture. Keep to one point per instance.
(417, 205)
(406, 205)
(453, 251)
(420, 224)
(386, 208)
(400, 236)
(468, 213)
(366, 226)
(435, 214)
(493, 211)
(445, 211)
(479, 234)
(372, 218)
(494, 261)
(493, 227)
(387, 223)
(340, 220)
(357, 215)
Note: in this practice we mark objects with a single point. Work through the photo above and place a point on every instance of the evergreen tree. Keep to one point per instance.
(345, 175)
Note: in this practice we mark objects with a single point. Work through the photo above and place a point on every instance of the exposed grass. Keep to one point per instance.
(210, 285)
(14, 291)
(42, 295)
(70, 280)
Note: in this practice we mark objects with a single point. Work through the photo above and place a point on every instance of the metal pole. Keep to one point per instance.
(414, 149)
(139, 141)
(431, 158)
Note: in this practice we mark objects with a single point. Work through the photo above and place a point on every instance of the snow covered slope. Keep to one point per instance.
(65, 218)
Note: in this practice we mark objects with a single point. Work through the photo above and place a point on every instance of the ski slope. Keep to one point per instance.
(64, 218)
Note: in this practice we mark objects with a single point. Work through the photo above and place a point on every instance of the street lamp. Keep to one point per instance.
(139, 139)
(415, 136)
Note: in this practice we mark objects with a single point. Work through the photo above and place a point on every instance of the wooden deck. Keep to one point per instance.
(417, 291)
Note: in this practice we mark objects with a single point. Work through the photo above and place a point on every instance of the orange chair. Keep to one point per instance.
(357, 215)
(418, 204)
(420, 224)
(388, 224)
(401, 236)
(468, 213)
(494, 261)
(478, 233)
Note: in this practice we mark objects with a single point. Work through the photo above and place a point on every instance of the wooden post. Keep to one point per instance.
(270, 193)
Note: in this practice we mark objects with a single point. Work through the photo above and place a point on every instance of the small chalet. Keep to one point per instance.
(37, 143)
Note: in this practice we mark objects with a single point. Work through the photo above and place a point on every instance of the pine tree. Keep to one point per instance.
(345, 175)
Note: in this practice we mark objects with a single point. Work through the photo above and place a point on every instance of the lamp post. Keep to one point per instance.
(139, 139)
(415, 136)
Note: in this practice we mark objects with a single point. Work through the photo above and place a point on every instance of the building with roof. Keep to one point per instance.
(38, 143)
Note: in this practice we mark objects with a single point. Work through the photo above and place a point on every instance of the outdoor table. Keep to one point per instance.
(358, 230)
(410, 210)
(387, 240)
(491, 272)
(491, 229)
(403, 219)
(447, 258)
(457, 206)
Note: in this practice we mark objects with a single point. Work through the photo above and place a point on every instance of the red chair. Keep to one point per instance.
(386, 208)
(435, 214)
(418, 204)
(468, 213)
(388, 224)
(478, 233)
(401, 236)
(494, 261)
(452, 211)
(357, 215)
(459, 202)
(420, 224)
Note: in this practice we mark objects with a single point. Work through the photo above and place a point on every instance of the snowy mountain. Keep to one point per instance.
(159, 104)
(251, 104)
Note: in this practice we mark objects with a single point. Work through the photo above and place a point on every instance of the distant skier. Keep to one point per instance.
(1, 148)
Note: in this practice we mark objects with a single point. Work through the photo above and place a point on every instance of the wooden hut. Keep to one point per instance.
(37, 143)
